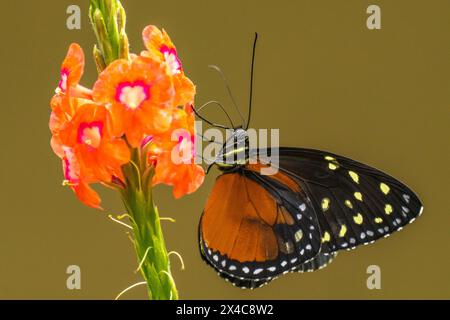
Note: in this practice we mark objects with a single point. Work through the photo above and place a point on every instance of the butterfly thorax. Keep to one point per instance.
(235, 151)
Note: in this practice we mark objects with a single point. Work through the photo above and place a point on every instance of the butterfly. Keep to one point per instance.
(256, 227)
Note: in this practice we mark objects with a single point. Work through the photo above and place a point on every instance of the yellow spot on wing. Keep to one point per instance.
(298, 235)
(325, 204)
(358, 218)
(358, 196)
(330, 158)
(343, 230)
(333, 166)
(384, 188)
(388, 209)
(378, 220)
(349, 204)
(326, 237)
(354, 176)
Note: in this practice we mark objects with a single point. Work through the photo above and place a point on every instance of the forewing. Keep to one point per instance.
(355, 203)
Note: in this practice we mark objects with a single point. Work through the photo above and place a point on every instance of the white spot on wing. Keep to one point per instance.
(406, 198)
(258, 271)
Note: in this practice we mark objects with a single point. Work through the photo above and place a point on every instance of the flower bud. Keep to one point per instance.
(121, 19)
(99, 61)
(102, 36)
(124, 46)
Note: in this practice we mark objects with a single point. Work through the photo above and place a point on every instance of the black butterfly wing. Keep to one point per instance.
(255, 228)
(319, 262)
(355, 203)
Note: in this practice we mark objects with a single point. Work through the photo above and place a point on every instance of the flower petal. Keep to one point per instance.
(185, 178)
(194, 177)
(72, 68)
(184, 90)
(153, 40)
(87, 195)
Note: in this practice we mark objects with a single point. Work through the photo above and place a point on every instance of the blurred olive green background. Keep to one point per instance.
(381, 97)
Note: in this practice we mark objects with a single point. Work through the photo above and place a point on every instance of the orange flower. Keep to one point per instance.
(174, 153)
(91, 154)
(160, 47)
(66, 100)
(99, 153)
(139, 94)
(72, 70)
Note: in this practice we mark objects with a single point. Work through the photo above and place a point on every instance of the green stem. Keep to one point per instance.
(148, 236)
(150, 245)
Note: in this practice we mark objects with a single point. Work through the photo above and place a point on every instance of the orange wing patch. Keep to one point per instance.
(285, 217)
(240, 227)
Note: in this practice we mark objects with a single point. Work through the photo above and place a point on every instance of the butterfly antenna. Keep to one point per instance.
(230, 94)
(217, 103)
(251, 82)
(206, 120)
(207, 139)
(209, 168)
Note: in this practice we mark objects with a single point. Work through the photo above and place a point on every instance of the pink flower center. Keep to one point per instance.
(172, 60)
(90, 134)
(63, 82)
(132, 95)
